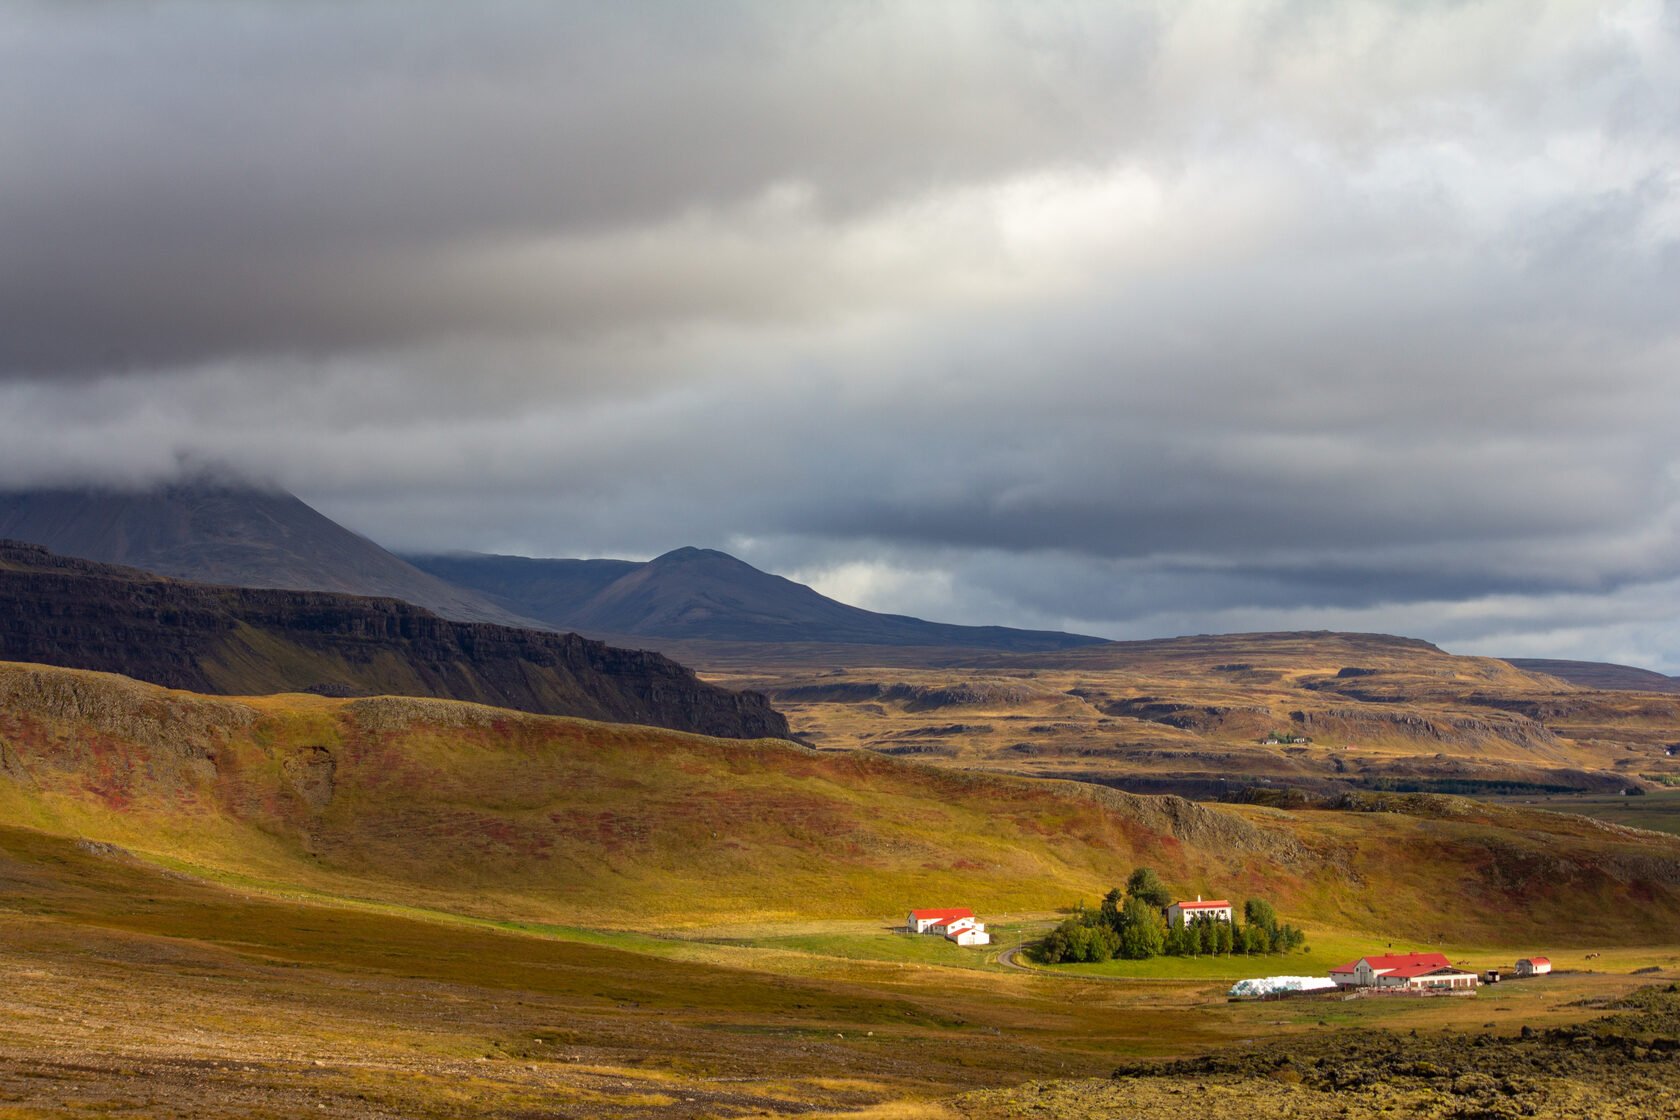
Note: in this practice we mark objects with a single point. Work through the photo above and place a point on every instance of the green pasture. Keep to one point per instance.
(892, 944)
(1658, 811)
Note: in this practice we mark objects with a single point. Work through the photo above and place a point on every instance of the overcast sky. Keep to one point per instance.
(1135, 319)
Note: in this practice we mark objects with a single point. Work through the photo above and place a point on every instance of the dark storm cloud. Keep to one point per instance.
(1131, 318)
(185, 181)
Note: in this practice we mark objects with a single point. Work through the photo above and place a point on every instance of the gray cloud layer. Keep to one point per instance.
(1137, 318)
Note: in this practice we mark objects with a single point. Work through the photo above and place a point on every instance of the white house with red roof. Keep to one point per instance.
(923, 920)
(1219, 909)
(955, 924)
(1533, 966)
(1416, 972)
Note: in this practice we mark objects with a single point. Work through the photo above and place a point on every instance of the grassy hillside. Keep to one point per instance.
(485, 811)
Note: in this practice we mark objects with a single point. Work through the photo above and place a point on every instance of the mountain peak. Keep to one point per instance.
(701, 593)
(688, 554)
(211, 527)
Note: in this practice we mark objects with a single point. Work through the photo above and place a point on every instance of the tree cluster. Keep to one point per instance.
(1131, 924)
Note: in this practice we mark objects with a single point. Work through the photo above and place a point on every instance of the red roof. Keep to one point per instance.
(1402, 964)
(1215, 904)
(942, 915)
(1537, 960)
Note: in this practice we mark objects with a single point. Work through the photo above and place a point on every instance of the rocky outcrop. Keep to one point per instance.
(1186, 717)
(82, 615)
(1513, 728)
(921, 698)
(1202, 826)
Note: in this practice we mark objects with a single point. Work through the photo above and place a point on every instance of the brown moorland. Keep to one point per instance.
(1192, 715)
(218, 906)
(480, 810)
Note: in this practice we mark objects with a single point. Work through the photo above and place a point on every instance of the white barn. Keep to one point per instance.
(1533, 966)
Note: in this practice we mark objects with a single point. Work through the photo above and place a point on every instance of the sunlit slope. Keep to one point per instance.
(1208, 716)
(495, 812)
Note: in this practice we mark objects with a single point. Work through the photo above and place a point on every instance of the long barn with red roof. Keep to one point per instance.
(1417, 972)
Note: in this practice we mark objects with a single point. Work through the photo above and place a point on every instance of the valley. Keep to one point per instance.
(254, 906)
(345, 857)
(839, 561)
(140, 991)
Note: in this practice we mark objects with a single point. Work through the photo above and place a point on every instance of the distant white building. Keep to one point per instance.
(1533, 966)
(923, 920)
(1219, 909)
(954, 924)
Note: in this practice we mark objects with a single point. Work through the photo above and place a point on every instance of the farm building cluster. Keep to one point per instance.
(1425, 972)
(1413, 972)
(954, 924)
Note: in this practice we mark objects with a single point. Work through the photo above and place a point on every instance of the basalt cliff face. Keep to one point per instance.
(79, 614)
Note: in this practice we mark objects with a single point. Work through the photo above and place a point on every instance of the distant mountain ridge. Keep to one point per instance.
(702, 594)
(240, 535)
(231, 534)
(1599, 674)
(79, 614)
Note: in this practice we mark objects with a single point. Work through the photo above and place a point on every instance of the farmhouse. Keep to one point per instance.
(1533, 966)
(923, 920)
(955, 924)
(1412, 972)
(1218, 909)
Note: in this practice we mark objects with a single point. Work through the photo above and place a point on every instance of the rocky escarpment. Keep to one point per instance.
(1202, 718)
(1512, 728)
(83, 615)
(1202, 826)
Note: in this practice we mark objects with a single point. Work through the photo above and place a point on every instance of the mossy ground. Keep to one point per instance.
(138, 991)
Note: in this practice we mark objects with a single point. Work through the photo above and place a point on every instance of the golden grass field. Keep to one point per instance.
(266, 906)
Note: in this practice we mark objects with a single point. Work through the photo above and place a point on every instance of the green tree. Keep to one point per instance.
(1054, 948)
(1226, 937)
(1259, 912)
(1142, 933)
(1111, 908)
(1286, 939)
(1083, 936)
(1172, 942)
(1145, 884)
